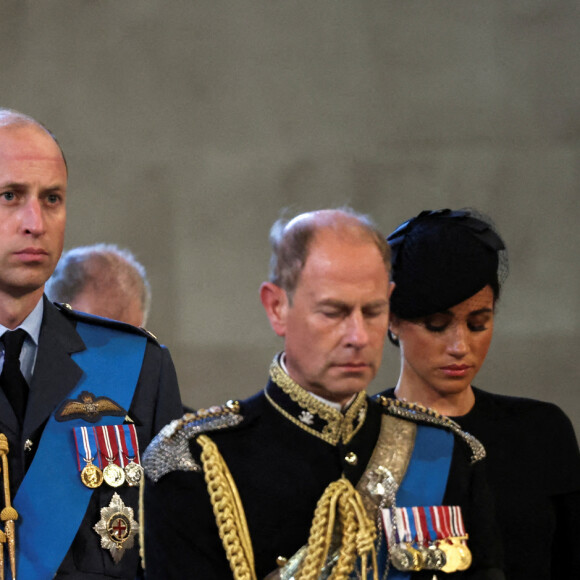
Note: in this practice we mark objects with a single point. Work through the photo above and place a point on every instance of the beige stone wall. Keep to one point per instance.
(188, 125)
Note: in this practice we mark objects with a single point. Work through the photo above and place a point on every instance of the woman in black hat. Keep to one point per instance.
(448, 268)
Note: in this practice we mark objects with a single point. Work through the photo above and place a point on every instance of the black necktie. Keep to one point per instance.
(11, 380)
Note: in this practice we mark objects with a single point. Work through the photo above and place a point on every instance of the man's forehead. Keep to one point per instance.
(329, 246)
(336, 268)
(339, 301)
(22, 142)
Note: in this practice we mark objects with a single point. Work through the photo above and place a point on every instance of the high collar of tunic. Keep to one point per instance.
(314, 414)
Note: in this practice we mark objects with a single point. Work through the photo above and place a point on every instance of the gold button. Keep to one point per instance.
(351, 458)
(28, 445)
(281, 561)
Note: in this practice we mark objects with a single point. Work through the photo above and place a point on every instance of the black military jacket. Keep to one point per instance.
(283, 451)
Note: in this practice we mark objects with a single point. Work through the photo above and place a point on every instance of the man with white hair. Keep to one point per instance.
(104, 280)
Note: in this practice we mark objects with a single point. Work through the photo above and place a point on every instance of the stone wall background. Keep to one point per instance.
(189, 125)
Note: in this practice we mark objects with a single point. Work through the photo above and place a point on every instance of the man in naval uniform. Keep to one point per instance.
(79, 394)
(289, 482)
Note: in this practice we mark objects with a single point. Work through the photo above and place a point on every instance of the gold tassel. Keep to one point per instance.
(8, 515)
(357, 534)
(2, 542)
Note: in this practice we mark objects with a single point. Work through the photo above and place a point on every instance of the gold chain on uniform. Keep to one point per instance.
(228, 511)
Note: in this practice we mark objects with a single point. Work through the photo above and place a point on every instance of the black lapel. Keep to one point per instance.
(55, 373)
(8, 421)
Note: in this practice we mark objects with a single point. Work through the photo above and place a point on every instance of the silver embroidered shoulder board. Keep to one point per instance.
(419, 413)
(169, 450)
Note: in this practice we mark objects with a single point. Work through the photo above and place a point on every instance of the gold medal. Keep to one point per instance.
(464, 554)
(458, 539)
(451, 556)
(114, 475)
(417, 559)
(133, 473)
(91, 475)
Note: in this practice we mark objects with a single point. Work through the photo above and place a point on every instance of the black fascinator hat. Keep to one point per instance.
(441, 258)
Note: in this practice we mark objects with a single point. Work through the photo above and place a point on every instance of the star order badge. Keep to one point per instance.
(117, 528)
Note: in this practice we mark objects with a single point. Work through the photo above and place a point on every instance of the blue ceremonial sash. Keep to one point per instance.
(426, 477)
(52, 500)
(425, 481)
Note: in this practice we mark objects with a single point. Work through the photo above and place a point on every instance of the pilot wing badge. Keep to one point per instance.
(89, 407)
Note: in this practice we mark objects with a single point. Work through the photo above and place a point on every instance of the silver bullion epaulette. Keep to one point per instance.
(169, 450)
(416, 412)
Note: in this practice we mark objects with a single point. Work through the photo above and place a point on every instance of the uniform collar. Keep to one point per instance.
(313, 414)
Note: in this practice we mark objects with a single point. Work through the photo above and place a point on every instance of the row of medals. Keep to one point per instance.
(112, 474)
(448, 555)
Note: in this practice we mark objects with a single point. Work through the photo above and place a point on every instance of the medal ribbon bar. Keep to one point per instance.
(125, 445)
(129, 449)
(422, 533)
(444, 519)
(121, 446)
(427, 525)
(128, 444)
(108, 444)
(86, 445)
(409, 523)
(134, 442)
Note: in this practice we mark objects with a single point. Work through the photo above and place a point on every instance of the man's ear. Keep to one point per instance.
(394, 324)
(275, 302)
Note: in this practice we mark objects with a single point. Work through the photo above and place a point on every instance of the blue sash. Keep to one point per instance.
(52, 500)
(425, 481)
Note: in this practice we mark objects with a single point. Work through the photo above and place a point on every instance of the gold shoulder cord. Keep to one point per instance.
(358, 534)
(142, 520)
(8, 515)
(228, 511)
(358, 531)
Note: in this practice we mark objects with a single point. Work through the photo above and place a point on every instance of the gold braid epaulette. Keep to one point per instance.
(169, 450)
(420, 413)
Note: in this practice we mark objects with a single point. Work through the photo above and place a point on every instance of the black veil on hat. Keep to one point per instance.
(441, 258)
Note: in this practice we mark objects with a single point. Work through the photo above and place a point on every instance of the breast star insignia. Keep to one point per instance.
(88, 407)
(117, 527)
